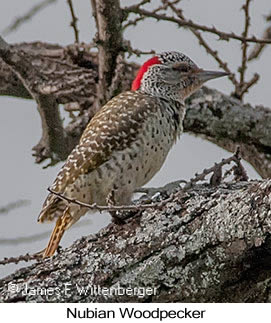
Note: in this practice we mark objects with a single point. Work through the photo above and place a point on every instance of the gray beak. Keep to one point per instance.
(204, 76)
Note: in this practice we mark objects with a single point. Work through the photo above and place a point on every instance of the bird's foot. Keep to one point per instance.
(59, 249)
(152, 192)
(117, 218)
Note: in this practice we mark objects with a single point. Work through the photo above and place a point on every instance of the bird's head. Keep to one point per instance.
(171, 75)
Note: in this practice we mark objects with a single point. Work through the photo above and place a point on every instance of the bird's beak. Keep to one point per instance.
(204, 76)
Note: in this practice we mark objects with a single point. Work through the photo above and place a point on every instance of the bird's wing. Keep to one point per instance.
(113, 127)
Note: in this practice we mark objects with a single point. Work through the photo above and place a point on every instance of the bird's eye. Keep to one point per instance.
(181, 67)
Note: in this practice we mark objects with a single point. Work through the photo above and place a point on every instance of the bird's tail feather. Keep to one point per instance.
(62, 223)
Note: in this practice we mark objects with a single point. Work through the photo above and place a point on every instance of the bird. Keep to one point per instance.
(126, 142)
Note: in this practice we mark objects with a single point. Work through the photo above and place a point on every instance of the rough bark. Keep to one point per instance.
(108, 17)
(40, 74)
(53, 75)
(207, 245)
(228, 123)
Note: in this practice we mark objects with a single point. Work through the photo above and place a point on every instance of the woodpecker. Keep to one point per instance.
(127, 141)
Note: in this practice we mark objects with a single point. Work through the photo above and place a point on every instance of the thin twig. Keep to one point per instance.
(74, 21)
(250, 83)
(27, 257)
(130, 50)
(141, 18)
(27, 16)
(139, 52)
(189, 23)
(228, 172)
(258, 48)
(13, 205)
(214, 54)
(200, 177)
(243, 67)
(109, 208)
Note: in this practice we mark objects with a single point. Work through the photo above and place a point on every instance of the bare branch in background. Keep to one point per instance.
(44, 76)
(74, 21)
(258, 48)
(190, 24)
(242, 86)
(27, 16)
(13, 205)
(130, 50)
(134, 22)
(243, 67)
(108, 16)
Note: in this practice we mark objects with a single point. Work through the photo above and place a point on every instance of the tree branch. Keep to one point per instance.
(258, 48)
(198, 248)
(242, 87)
(49, 81)
(243, 67)
(190, 24)
(27, 16)
(228, 123)
(108, 17)
(74, 21)
(13, 205)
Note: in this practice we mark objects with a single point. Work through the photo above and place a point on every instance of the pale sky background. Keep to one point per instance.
(20, 127)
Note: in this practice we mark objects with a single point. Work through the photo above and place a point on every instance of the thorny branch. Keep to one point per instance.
(15, 260)
(236, 158)
(109, 208)
(243, 67)
(190, 24)
(74, 21)
(243, 85)
(134, 22)
(130, 50)
(248, 85)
